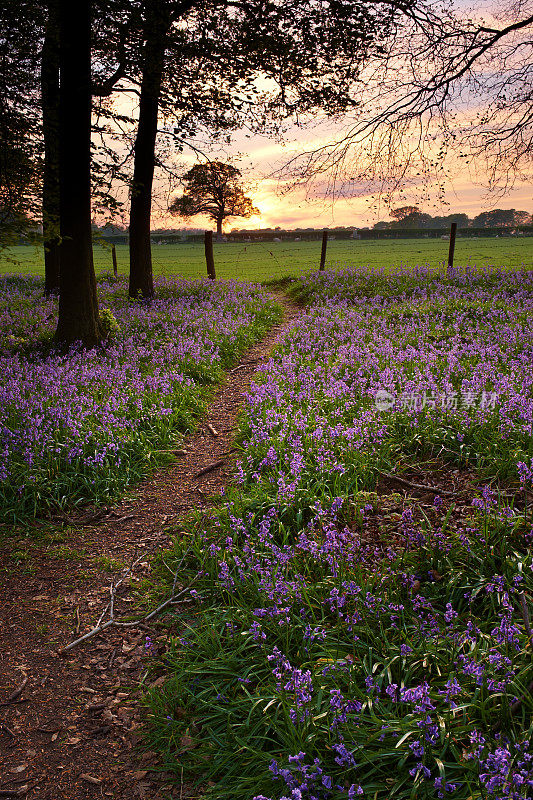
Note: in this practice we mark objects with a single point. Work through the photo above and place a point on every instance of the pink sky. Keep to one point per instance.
(258, 158)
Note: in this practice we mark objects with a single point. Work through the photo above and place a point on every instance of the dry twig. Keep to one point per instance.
(7, 729)
(210, 468)
(17, 692)
(110, 607)
(421, 487)
(245, 364)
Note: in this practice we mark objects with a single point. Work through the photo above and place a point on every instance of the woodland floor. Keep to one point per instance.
(72, 732)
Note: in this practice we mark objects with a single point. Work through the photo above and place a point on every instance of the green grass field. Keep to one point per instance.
(265, 260)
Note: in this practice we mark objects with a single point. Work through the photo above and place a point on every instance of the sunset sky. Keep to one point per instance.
(259, 158)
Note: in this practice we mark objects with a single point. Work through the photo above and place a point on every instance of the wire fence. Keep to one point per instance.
(255, 261)
(268, 260)
(263, 261)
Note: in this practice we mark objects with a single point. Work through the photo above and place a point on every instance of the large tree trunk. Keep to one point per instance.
(157, 23)
(219, 226)
(50, 109)
(78, 303)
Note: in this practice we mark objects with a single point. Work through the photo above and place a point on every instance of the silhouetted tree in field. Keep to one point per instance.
(213, 189)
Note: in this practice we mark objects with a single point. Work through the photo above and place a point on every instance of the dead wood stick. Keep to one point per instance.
(125, 517)
(170, 600)
(102, 626)
(18, 691)
(89, 635)
(433, 489)
(7, 729)
(212, 429)
(245, 364)
(210, 468)
(102, 615)
(119, 624)
(420, 486)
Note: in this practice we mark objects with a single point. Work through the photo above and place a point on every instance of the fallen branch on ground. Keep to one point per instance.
(7, 729)
(245, 364)
(445, 492)
(113, 622)
(421, 487)
(17, 692)
(210, 468)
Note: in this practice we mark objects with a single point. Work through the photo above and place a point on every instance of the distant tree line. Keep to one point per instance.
(412, 217)
(405, 218)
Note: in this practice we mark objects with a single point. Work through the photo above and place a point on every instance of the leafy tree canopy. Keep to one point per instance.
(213, 189)
(501, 216)
(412, 217)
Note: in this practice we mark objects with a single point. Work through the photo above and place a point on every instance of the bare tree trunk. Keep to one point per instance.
(50, 109)
(219, 226)
(78, 303)
(157, 23)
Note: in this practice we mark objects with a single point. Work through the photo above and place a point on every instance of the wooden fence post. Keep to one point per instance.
(323, 253)
(209, 259)
(453, 231)
(114, 257)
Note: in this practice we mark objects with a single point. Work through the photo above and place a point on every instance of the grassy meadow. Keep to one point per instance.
(266, 260)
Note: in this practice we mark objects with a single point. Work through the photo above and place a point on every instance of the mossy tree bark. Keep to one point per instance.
(78, 302)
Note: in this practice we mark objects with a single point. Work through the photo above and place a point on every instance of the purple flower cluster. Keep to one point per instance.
(506, 772)
(298, 683)
(277, 588)
(74, 425)
(312, 410)
(373, 659)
